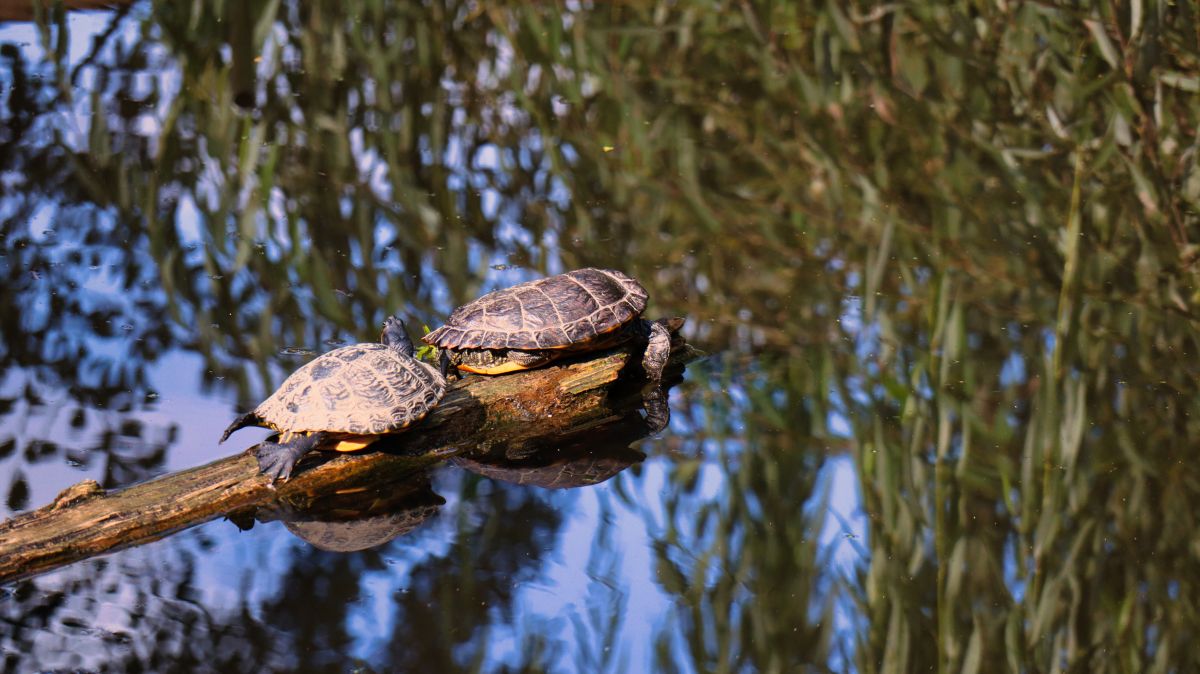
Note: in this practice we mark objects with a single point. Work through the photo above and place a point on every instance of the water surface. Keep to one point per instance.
(942, 261)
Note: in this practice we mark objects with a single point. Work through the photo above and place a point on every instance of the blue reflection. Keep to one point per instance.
(597, 578)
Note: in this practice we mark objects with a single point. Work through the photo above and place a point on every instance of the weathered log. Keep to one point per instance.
(477, 414)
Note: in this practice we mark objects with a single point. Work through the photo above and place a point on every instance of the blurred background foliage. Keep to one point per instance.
(955, 243)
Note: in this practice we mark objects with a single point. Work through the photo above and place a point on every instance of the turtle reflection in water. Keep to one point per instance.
(354, 518)
(587, 456)
(534, 323)
(345, 400)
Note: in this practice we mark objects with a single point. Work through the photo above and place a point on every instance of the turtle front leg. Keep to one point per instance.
(277, 459)
(658, 351)
(447, 365)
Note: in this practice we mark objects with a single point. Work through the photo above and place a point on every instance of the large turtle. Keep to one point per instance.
(344, 400)
(533, 323)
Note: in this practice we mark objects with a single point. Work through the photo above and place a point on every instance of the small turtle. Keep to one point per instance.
(344, 400)
(534, 323)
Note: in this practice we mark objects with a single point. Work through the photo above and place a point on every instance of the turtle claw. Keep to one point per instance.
(276, 460)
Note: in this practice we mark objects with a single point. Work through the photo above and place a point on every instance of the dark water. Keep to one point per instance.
(943, 262)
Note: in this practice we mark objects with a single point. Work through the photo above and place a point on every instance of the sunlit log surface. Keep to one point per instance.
(476, 414)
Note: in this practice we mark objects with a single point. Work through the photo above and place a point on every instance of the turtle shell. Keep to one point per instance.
(549, 313)
(363, 389)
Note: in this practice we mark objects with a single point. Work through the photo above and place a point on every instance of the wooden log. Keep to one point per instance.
(476, 414)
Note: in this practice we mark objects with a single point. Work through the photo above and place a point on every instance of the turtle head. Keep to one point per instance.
(395, 335)
(672, 324)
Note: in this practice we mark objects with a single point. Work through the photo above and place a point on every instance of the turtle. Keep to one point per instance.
(534, 323)
(344, 400)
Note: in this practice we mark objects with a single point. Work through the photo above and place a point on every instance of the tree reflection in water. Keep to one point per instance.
(954, 242)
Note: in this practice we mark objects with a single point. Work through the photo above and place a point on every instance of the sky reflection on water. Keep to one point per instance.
(231, 575)
(943, 258)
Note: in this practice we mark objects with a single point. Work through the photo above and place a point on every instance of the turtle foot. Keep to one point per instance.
(276, 460)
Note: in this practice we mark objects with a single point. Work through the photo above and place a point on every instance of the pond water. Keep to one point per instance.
(941, 263)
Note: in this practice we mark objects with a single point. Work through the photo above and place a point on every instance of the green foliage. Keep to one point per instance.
(428, 352)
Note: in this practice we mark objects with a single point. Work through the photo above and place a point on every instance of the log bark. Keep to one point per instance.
(477, 414)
